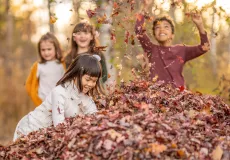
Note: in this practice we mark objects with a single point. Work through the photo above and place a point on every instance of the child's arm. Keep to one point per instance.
(57, 101)
(192, 52)
(90, 108)
(32, 83)
(197, 19)
(141, 36)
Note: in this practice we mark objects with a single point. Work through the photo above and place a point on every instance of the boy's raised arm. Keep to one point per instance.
(197, 19)
(140, 32)
(192, 52)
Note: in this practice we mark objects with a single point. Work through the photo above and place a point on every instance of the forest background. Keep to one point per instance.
(22, 22)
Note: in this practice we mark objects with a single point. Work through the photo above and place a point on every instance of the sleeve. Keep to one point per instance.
(192, 52)
(104, 68)
(141, 36)
(29, 80)
(58, 108)
(32, 83)
(90, 108)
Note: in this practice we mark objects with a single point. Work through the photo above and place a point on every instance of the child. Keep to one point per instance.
(82, 41)
(69, 98)
(167, 60)
(46, 72)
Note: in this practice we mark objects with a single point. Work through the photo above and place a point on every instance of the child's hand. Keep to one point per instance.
(145, 5)
(197, 19)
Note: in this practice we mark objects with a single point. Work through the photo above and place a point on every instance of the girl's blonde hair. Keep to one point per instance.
(51, 38)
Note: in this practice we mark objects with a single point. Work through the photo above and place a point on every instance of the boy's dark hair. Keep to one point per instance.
(51, 38)
(83, 64)
(163, 18)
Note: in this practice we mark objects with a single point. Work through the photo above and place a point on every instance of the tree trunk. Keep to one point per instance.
(50, 24)
(9, 35)
(213, 45)
(76, 6)
(105, 29)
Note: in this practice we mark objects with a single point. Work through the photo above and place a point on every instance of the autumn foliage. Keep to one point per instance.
(141, 120)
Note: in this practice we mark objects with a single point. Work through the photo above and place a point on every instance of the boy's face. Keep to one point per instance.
(163, 32)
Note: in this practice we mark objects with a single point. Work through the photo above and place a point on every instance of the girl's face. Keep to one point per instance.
(163, 33)
(88, 83)
(47, 50)
(82, 39)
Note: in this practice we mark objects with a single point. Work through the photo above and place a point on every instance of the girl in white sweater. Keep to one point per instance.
(69, 98)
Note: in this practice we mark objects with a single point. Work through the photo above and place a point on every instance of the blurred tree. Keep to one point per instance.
(51, 25)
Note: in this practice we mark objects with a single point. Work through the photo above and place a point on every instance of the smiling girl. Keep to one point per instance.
(47, 71)
(83, 41)
(71, 96)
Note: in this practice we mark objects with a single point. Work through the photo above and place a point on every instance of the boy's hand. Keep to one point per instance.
(197, 19)
(145, 5)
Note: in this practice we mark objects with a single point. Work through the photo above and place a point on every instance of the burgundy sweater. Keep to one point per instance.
(167, 62)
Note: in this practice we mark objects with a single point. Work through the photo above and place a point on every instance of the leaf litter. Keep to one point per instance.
(140, 120)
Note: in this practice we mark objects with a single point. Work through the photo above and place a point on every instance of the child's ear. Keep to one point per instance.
(173, 36)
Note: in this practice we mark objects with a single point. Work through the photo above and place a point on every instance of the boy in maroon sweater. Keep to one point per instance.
(167, 60)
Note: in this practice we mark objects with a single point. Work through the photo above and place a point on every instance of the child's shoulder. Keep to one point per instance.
(34, 66)
(59, 90)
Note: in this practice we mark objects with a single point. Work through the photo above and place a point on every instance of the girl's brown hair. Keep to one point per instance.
(51, 38)
(84, 64)
(81, 27)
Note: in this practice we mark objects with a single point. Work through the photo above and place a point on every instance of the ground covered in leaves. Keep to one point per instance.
(141, 120)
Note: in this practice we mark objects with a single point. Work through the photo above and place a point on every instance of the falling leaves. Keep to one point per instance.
(132, 39)
(91, 13)
(53, 19)
(139, 17)
(103, 19)
(113, 36)
(100, 48)
(126, 37)
(59, 110)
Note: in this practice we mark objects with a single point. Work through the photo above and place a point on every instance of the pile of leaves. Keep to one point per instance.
(141, 120)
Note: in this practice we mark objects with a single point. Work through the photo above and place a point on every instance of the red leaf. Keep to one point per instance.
(90, 13)
(138, 17)
(181, 88)
(102, 20)
(100, 48)
(115, 5)
(126, 37)
(115, 13)
(180, 59)
(59, 110)
(113, 37)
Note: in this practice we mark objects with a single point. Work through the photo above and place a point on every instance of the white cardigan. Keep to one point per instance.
(61, 103)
